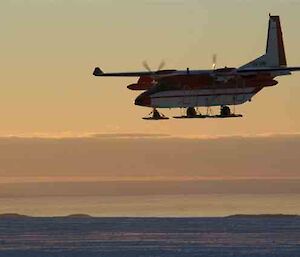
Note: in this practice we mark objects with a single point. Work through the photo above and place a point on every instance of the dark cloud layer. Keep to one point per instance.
(119, 156)
(126, 188)
(149, 164)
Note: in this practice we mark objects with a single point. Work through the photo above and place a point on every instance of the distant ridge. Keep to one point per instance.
(78, 216)
(86, 216)
(20, 216)
(263, 216)
(13, 216)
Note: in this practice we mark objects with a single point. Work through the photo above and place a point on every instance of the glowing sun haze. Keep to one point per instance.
(49, 50)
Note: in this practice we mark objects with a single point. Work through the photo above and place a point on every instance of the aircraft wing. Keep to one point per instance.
(189, 72)
(98, 72)
(291, 69)
(161, 73)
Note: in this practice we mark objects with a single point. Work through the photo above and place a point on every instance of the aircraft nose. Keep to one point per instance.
(143, 100)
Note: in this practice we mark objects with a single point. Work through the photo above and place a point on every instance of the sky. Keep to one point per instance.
(64, 131)
(50, 48)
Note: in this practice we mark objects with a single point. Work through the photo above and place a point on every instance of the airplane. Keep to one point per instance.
(224, 87)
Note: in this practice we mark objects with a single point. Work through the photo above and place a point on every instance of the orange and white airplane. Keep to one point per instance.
(215, 87)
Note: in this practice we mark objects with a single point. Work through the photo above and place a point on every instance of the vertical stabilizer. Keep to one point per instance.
(275, 53)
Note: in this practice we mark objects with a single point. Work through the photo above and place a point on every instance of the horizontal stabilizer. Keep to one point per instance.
(98, 72)
(275, 69)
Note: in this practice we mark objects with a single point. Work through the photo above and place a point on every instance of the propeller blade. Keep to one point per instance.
(161, 65)
(214, 60)
(146, 66)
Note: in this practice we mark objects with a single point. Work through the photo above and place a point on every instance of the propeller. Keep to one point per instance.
(146, 66)
(160, 66)
(214, 61)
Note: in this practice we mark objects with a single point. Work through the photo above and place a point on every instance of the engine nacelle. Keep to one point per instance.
(144, 83)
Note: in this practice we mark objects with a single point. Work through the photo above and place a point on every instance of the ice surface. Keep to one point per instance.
(82, 236)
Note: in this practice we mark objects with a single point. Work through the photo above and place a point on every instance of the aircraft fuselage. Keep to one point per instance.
(204, 90)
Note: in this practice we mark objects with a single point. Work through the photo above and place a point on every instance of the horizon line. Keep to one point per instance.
(133, 135)
(92, 179)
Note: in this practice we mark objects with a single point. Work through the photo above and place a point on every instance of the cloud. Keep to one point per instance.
(126, 188)
(150, 155)
(88, 135)
(129, 135)
(148, 163)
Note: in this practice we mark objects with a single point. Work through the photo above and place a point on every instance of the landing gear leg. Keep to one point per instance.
(191, 112)
(156, 115)
(225, 111)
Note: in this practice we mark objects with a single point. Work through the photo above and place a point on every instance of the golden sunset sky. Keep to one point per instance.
(50, 48)
(60, 124)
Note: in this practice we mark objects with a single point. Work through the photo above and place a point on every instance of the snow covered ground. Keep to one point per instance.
(238, 236)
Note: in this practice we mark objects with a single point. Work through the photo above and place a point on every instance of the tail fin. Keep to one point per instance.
(275, 53)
